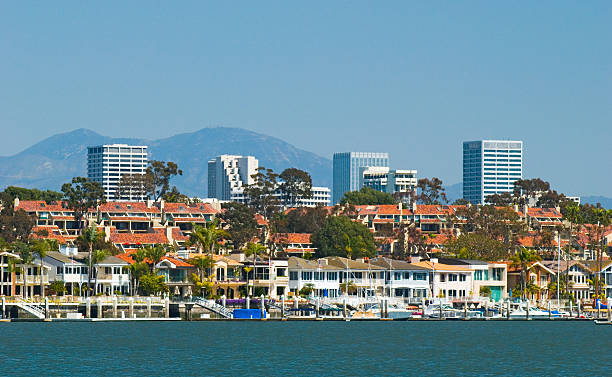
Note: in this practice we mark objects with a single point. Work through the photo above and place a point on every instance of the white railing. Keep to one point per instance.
(213, 307)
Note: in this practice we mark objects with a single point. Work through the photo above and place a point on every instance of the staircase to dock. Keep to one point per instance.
(31, 307)
(213, 307)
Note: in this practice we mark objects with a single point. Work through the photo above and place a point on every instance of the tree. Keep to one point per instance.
(90, 236)
(40, 248)
(261, 194)
(476, 246)
(500, 200)
(203, 263)
(155, 254)
(82, 195)
(11, 192)
(295, 184)
(137, 270)
(339, 236)
(461, 202)
(158, 178)
(307, 289)
(99, 243)
(98, 256)
(207, 237)
(367, 196)
(523, 260)
(133, 185)
(253, 250)
(15, 225)
(301, 220)
(430, 191)
(24, 251)
(241, 222)
(152, 284)
(485, 291)
(57, 287)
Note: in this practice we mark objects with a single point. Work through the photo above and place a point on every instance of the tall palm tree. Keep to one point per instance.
(91, 235)
(98, 256)
(207, 237)
(155, 254)
(253, 250)
(40, 248)
(25, 254)
(523, 259)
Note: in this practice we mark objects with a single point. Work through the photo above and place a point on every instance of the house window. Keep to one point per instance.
(452, 277)
(333, 276)
(281, 272)
(293, 275)
(397, 276)
(419, 276)
(462, 277)
(117, 270)
(59, 270)
(108, 270)
(306, 275)
(442, 277)
(319, 275)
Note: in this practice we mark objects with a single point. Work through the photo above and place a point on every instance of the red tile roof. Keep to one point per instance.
(543, 212)
(158, 236)
(40, 205)
(289, 238)
(128, 207)
(176, 261)
(189, 208)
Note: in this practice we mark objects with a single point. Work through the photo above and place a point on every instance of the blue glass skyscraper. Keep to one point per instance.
(347, 170)
(490, 167)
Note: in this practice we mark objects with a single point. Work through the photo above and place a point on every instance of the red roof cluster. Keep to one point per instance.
(158, 236)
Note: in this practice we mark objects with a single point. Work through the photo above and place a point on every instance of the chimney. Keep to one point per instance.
(161, 204)
(149, 203)
(415, 259)
(400, 206)
(414, 206)
(16, 203)
(169, 234)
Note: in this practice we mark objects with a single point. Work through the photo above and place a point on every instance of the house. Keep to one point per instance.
(450, 281)
(294, 244)
(228, 276)
(270, 276)
(538, 277)
(605, 273)
(318, 274)
(68, 266)
(7, 272)
(578, 275)
(112, 276)
(403, 279)
(368, 279)
(486, 274)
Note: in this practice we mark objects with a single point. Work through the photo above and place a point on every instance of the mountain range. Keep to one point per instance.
(50, 163)
(55, 160)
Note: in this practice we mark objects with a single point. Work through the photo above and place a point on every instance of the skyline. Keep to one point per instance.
(327, 79)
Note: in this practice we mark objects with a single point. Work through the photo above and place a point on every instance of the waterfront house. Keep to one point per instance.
(267, 276)
(324, 279)
(368, 279)
(403, 279)
(7, 271)
(449, 281)
(578, 275)
(177, 275)
(486, 274)
(228, 276)
(112, 276)
(68, 267)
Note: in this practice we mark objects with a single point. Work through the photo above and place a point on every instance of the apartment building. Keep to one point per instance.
(106, 164)
(399, 183)
(347, 170)
(228, 174)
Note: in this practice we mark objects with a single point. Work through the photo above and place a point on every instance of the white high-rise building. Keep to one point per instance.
(400, 182)
(490, 167)
(107, 163)
(228, 174)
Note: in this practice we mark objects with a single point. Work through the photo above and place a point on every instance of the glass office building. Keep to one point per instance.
(347, 170)
(490, 167)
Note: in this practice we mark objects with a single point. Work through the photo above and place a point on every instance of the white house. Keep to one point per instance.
(486, 274)
(404, 279)
(452, 282)
(323, 278)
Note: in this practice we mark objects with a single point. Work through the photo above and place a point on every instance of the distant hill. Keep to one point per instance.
(55, 160)
(605, 202)
(454, 192)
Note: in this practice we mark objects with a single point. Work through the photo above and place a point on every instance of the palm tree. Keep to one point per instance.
(98, 256)
(155, 254)
(523, 259)
(207, 237)
(90, 235)
(202, 263)
(25, 253)
(253, 250)
(40, 248)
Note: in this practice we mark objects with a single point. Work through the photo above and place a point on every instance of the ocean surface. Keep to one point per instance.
(305, 348)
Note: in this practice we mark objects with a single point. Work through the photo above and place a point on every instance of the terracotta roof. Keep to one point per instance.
(381, 209)
(158, 236)
(40, 205)
(260, 219)
(128, 207)
(53, 233)
(178, 235)
(189, 208)
(127, 257)
(289, 238)
(543, 212)
(126, 218)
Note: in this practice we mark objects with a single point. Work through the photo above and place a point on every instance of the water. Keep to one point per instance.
(305, 348)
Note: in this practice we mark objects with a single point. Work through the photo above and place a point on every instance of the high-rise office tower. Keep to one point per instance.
(490, 167)
(228, 174)
(107, 163)
(347, 170)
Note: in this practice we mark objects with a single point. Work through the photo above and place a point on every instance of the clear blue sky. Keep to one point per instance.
(411, 78)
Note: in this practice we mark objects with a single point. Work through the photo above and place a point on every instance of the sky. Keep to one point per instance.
(414, 79)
